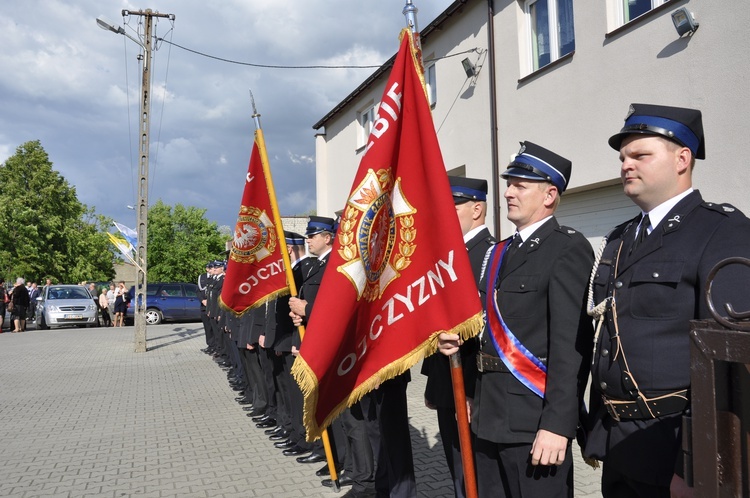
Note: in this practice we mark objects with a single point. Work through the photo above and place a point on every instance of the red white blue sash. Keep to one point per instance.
(524, 366)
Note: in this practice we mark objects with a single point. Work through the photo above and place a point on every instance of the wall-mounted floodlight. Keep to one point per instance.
(684, 21)
(469, 68)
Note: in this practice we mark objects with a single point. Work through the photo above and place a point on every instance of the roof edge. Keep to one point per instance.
(424, 34)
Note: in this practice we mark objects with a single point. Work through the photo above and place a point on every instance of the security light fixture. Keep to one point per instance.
(684, 21)
(469, 68)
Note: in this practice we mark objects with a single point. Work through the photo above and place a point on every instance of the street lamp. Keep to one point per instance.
(143, 143)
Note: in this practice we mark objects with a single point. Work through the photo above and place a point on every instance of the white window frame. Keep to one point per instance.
(618, 8)
(365, 121)
(553, 22)
(430, 80)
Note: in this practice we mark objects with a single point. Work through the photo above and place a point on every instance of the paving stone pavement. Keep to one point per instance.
(81, 414)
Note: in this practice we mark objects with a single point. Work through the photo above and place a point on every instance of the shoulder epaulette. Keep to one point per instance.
(725, 209)
(566, 230)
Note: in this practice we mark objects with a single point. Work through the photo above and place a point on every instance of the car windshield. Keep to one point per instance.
(68, 293)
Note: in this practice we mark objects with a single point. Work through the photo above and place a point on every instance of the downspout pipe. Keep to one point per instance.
(493, 118)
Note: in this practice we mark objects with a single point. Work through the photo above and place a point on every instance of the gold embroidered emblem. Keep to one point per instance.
(254, 236)
(376, 234)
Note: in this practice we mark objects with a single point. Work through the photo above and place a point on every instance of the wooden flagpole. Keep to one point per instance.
(457, 373)
(288, 266)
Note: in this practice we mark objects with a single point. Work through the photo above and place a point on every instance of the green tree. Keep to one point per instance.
(45, 229)
(180, 241)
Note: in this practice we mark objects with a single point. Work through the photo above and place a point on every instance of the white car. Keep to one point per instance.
(66, 305)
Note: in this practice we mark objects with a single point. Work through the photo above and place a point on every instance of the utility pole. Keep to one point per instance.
(141, 207)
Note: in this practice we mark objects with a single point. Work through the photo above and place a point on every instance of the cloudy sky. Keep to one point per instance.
(75, 87)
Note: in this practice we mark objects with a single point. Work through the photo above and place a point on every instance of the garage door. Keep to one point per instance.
(595, 212)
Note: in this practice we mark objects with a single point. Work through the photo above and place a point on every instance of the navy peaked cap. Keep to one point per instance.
(293, 238)
(534, 162)
(468, 189)
(319, 224)
(679, 124)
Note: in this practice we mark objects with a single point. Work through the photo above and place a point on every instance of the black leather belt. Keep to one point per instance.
(647, 408)
(489, 363)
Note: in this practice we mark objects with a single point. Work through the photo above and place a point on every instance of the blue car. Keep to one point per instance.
(174, 301)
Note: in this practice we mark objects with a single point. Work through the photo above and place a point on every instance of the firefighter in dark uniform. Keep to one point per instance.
(470, 198)
(535, 346)
(648, 285)
(319, 234)
(279, 336)
(203, 280)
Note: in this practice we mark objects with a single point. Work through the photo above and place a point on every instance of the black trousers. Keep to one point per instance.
(360, 457)
(451, 446)
(395, 468)
(210, 341)
(505, 471)
(267, 360)
(284, 385)
(258, 383)
(617, 485)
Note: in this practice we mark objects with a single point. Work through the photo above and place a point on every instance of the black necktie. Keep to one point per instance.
(515, 243)
(642, 233)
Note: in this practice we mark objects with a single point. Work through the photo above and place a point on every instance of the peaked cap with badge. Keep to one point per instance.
(318, 224)
(679, 124)
(534, 162)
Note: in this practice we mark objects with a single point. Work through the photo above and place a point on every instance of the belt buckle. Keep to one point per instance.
(480, 366)
(611, 409)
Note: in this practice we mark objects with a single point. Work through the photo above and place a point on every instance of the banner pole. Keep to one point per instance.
(462, 419)
(288, 267)
(457, 374)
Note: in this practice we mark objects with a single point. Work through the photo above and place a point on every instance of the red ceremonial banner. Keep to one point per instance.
(255, 267)
(399, 273)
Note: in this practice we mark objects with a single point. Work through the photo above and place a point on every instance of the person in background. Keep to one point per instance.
(104, 307)
(121, 305)
(3, 299)
(20, 298)
(111, 295)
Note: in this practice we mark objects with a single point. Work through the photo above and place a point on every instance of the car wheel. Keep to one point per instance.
(41, 323)
(153, 316)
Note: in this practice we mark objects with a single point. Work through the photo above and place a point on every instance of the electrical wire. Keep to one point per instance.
(317, 66)
(161, 113)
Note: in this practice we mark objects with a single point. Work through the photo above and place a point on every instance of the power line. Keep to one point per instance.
(321, 66)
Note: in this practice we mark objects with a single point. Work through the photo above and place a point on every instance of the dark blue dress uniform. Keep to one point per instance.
(541, 297)
(203, 280)
(641, 366)
(438, 390)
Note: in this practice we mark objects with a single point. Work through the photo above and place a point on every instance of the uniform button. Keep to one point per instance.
(618, 284)
(523, 286)
(603, 385)
(605, 352)
(655, 275)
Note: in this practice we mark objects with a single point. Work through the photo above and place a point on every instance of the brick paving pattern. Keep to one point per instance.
(81, 414)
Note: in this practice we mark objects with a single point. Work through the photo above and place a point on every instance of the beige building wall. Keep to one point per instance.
(460, 111)
(575, 104)
(574, 107)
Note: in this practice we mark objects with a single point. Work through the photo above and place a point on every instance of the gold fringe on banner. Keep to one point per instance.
(260, 302)
(308, 382)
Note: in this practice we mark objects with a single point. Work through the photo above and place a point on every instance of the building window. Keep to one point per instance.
(550, 29)
(365, 120)
(431, 83)
(627, 10)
